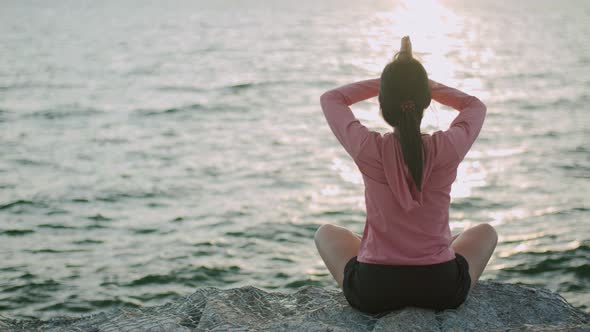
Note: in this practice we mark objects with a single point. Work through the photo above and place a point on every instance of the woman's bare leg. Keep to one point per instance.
(476, 244)
(336, 245)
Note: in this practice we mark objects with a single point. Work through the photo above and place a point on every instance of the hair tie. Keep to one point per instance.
(408, 106)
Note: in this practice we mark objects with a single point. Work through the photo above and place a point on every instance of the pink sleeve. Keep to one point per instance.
(349, 131)
(466, 126)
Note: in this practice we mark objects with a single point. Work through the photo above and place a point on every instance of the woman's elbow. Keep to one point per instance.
(327, 97)
(476, 102)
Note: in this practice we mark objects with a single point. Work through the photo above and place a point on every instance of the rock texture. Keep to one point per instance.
(490, 307)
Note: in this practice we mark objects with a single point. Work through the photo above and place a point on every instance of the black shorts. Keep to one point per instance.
(376, 288)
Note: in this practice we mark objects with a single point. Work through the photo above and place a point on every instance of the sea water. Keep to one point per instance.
(149, 148)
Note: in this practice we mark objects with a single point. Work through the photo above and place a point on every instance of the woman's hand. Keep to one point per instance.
(406, 48)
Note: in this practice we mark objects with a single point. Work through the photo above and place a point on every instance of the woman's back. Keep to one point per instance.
(403, 225)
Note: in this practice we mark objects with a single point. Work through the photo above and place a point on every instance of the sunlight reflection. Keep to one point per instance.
(447, 52)
(533, 247)
(496, 152)
(439, 43)
(469, 175)
(434, 35)
(524, 237)
(330, 191)
(500, 217)
(503, 152)
(347, 173)
(459, 226)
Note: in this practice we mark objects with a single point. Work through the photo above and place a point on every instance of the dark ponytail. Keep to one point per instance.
(403, 96)
(411, 141)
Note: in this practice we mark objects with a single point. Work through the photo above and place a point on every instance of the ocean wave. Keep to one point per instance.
(113, 197)
(20, 204)
(87, 242)
(16, 232)
(145, 230)
(574, 260)
(179, 88)
(54, 251)
(74, 305)
(39, 85)
(191, 277)
(479, 204)
(171, 110)
(27, 289)
(63, 112)
(302, 282)
(239, 87)
(98, 217)
(234, 88)
(56, 226)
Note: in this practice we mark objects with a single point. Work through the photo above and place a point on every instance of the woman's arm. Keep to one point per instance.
(450, 96)
(349, 131)
(466, 126)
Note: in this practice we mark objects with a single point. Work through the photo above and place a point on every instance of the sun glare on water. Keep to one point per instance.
(439, 42)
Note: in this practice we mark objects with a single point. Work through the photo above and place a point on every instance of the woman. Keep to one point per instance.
(406, 255)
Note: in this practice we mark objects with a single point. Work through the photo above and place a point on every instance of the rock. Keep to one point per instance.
(491, 306)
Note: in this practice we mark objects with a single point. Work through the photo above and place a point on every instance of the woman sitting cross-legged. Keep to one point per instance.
(406, 255)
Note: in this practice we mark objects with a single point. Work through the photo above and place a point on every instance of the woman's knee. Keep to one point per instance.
(322, 231)
(479, 236)
(490, 232)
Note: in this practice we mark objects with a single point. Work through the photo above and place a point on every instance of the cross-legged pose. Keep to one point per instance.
(406, 255)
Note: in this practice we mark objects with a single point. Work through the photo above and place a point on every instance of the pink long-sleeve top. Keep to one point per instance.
(404, 226)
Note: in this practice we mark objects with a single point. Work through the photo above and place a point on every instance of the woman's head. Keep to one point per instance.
(403, 95)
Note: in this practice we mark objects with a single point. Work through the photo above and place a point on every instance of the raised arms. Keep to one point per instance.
(349, 131)
(466, 126)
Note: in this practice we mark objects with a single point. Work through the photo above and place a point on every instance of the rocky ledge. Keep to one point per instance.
(490, 306)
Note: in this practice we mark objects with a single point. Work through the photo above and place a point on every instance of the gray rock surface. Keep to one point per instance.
(490, 306)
